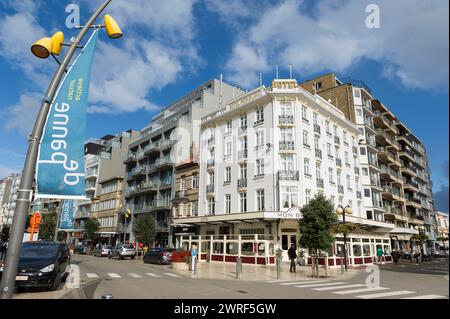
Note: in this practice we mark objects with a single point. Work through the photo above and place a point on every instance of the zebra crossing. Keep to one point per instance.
(133, 275)
(360, 291)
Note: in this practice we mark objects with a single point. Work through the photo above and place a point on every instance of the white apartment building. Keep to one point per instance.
(9, 197)
(262, 158)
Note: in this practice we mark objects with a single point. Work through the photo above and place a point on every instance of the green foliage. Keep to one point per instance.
(92, 226)
(317, 223)
(47, 226)
(4, 234)
(444, 239)
(144, 228)
(420, 237)
(344, 229)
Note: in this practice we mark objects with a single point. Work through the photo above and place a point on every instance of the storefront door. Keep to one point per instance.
(286, 240)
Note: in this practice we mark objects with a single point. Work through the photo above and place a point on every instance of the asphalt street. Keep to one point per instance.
(126, 279)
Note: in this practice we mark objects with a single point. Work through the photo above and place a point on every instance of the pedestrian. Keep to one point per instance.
(2, 249)
(292, 255)
(395, 256)
(379, 254)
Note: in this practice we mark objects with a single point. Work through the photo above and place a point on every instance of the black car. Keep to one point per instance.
(42, 264)
(159, 256)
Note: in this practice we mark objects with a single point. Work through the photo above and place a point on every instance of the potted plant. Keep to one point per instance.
(180, 259)
(301, 258)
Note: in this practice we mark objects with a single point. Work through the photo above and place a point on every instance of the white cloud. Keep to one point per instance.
(22, 115)
(412, 43)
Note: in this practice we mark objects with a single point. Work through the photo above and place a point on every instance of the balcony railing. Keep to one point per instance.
(242, 130)
(290, 175)
(242, 154)
(320, 183)
(373, 161)
(318, 153)
(210, 163)
(210, 188)
(241, 183)
(286, 145)
(317, 128)
(168, 143)
(286, 119)
(166, 160)
(130, 157)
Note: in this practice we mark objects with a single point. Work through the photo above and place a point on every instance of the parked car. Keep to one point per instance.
(102, 251)
(81, 248)
(159, 256)
(42, 264)
(121, 251)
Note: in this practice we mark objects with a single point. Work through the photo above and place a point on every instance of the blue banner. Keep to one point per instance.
(60, 166)
(66, 215)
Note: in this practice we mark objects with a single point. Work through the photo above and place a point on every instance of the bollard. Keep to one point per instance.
(238, 267)
(107, 296)
(342, 265)
(195, 266)
(278, 268)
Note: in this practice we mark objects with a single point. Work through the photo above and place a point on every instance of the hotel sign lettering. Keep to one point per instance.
(248, 99)
(290, 214)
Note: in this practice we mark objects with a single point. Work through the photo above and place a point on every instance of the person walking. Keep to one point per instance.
(395, 256)
(2, 249)
(292, 255)
(379, 254)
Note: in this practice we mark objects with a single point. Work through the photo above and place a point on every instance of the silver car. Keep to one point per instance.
(102, 251)
(122, 251)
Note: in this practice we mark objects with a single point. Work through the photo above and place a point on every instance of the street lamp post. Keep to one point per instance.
(344, 210)
(42, 49)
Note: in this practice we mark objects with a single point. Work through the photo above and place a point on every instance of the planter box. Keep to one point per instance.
(180, 265)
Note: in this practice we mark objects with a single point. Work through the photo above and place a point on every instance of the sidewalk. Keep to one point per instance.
(227, 271)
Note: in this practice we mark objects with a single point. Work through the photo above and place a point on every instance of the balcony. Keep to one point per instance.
(286, 145)
(409, 169)
(210, 188)
(373, 162)
(392, 193)
(383, 121)
(165, 161)
(242, 183)
(211, 140)
(318, 153)
(338, 162)
(375, 182)
(370, 141)
(387, 156)
(180, 194)
(355, 150)
(289, 175)
(286, 119)
(91, 174)
(141, 188)
(317, 129)
(337, 140)
(162, 226)
(129, 158)
(356, 169)
(258, 122)
(242, 154)
(167, 144)
(407, 154)
(90, 187)
(242, 130)
(320, 183)
(386, 139)
(161, 203)
(341, 189)
(152, 148)
(210, 163)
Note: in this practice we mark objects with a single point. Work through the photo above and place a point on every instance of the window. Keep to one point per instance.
(244, 121)
(327, 127)
(329, 152)
(336, 149)
(211, 178)
(306, 167)
(243, 201)
(243, 170)
(228, 127)
(357, 93)
(244, 143)
(194, 208)
(109, 187)
(369, 214)
(195, 181)
(286, 134)
(289, 196)
(338, 177)
(317, 170)
(259, 139)
(349, 186)
(304, 113)
(260, 199)
(330, 175)
(211, 206)
(359, 112)
(366, 192)
(318, 85)
(365, 172)
(228, 174)
(305, 138)
(362, 150)
(182, 183)
(259, 115)
(315, 119)
(259, 167)
(316, 143)
(286, 108)
(335, 130)
(228, 203)
(357, 250)
(287, 162)
(307, 195)
(347, 162)
(344, 137)
(228, 147)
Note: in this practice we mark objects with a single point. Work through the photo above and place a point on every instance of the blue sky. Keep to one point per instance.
(172, 46)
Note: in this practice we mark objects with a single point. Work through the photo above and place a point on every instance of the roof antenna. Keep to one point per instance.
(220, 92)
(276, 69)
(260, 79)
(290, 71)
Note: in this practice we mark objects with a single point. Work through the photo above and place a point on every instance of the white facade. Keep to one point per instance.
(9, 205)
(294, 145)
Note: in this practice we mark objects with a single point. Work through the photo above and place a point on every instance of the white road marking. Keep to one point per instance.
(113, 275)
(339, 287)
(135, 275)
(386, 294)
(355, 291)
(171, 274)
(153, 275)
(91, 275)
(303, 282)
(274, 281)
(426, 297)
(321, 285)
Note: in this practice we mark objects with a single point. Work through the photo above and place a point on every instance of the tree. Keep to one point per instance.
(92, 226)
(144, 228)
(4, 235)
(47, 226)
(316, 226)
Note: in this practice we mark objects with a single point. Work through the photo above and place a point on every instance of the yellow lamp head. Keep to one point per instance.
(112, 28)
(42, 48)
(339, 210)
(348, 210)
(58, 39)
